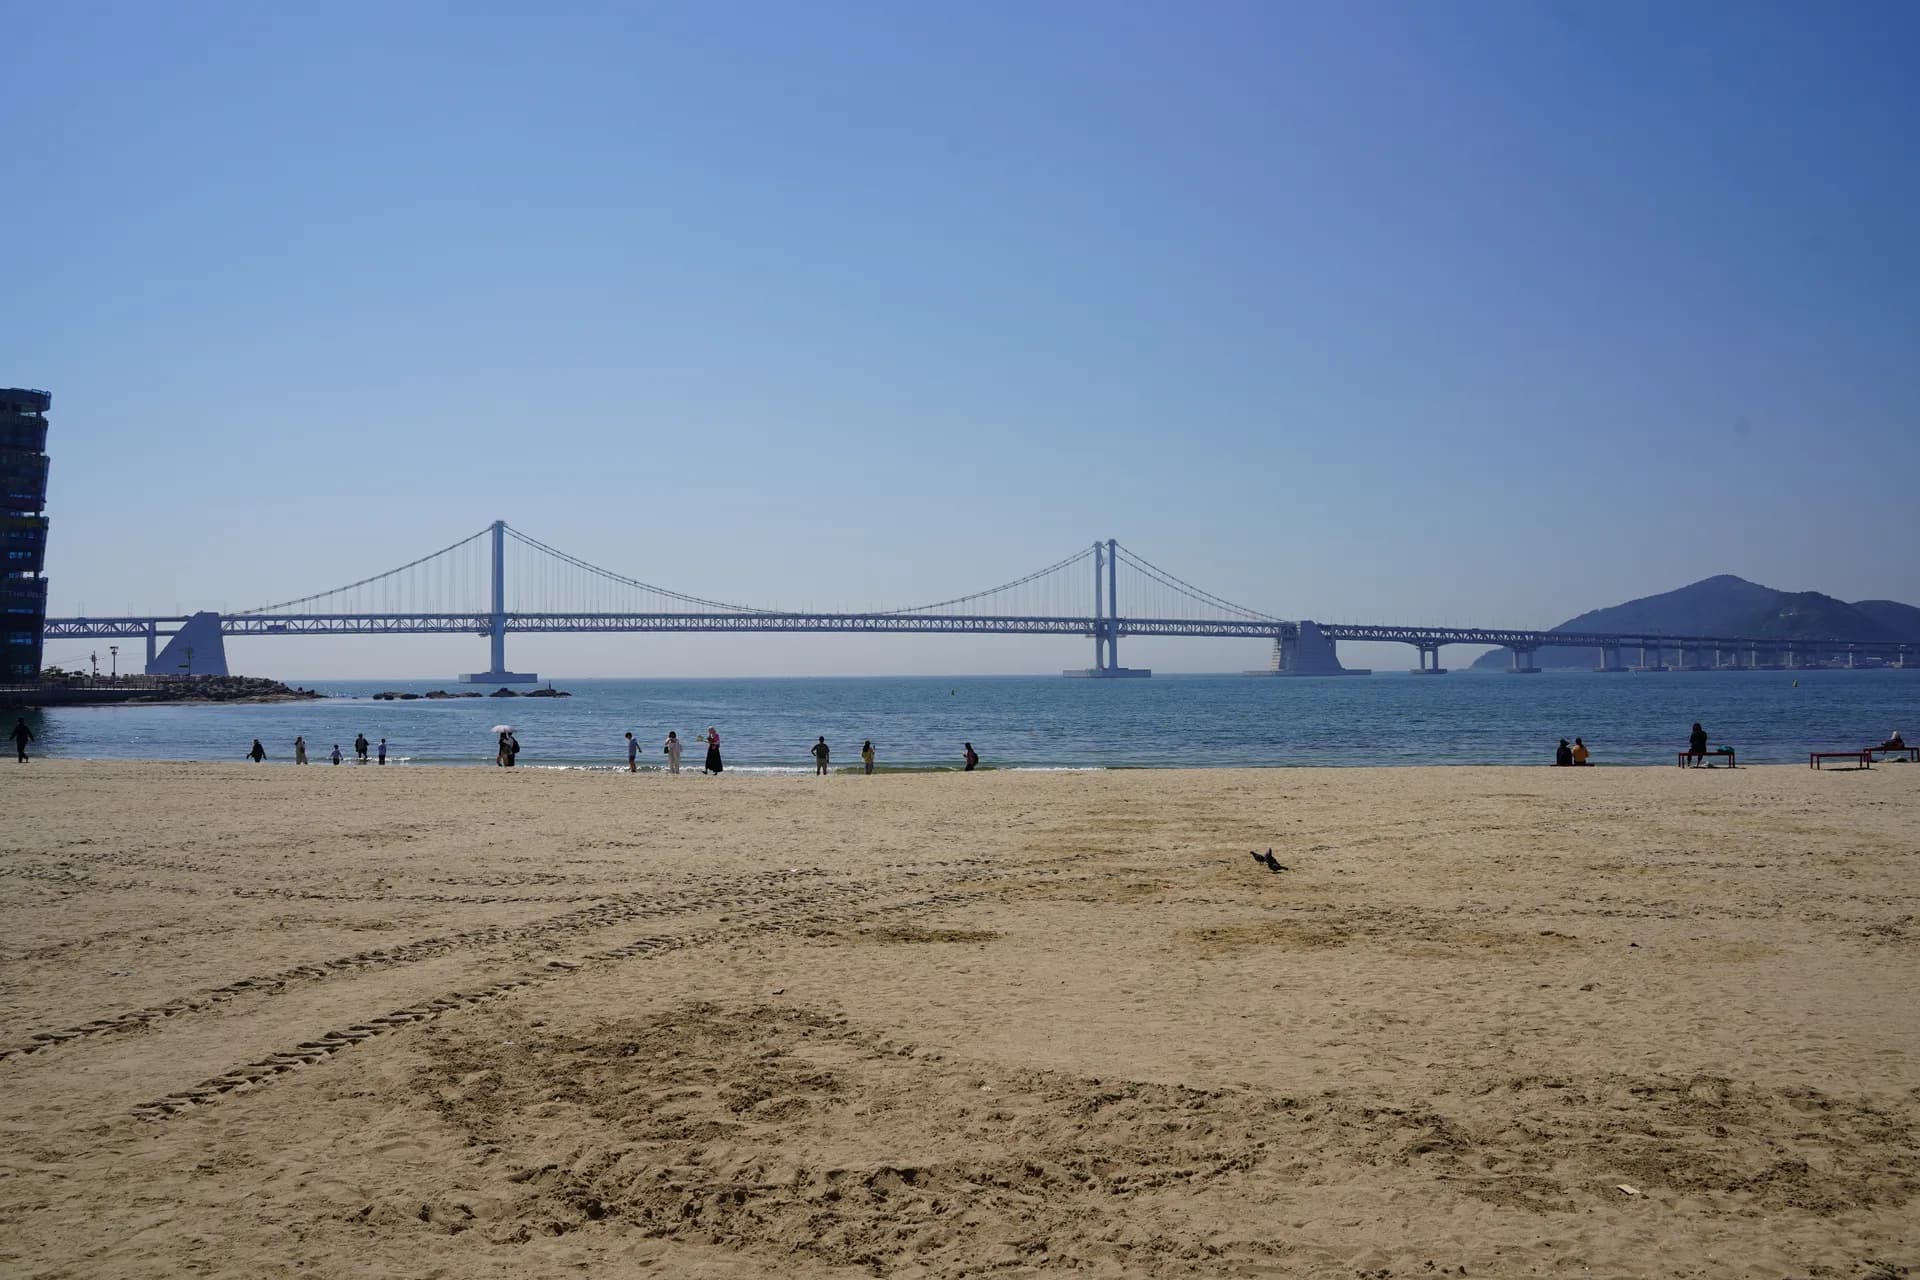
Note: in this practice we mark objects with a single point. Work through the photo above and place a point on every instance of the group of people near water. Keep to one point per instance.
(821, 752)
(361, 747)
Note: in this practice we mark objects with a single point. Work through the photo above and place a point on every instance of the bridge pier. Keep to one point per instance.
(1657, 663)
(497, 622)
(1429, 654)
(1610, 659)
(1522, 662)
(1106, 621)
(1302, 649)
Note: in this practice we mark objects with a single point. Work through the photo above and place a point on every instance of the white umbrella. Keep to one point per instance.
(501, 728)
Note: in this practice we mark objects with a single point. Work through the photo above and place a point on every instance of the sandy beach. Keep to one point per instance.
(268, 1021)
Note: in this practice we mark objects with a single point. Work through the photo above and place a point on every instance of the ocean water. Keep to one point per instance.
(1046, 722)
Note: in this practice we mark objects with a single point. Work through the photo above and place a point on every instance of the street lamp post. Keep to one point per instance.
(113, 651)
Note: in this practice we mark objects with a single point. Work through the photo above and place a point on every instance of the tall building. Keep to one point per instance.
(23, 530)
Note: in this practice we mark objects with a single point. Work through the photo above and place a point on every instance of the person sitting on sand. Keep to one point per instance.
(1580, 752)
(1563, 755)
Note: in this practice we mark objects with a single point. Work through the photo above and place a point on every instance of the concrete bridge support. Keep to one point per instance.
(1610, 659)
(1429, 658)
(1657, 664)
(1522, 663)
(497, 672)
(1106, 626)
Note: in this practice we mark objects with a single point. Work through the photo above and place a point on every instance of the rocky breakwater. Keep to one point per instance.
(87, 691)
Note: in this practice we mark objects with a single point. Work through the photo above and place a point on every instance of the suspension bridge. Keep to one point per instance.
(500, 581)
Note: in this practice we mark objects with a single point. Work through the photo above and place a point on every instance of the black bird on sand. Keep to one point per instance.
(1267, 860)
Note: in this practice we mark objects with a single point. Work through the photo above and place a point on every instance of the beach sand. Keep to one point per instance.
(269, 1021)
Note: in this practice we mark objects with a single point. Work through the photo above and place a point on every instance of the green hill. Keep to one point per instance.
(1730, 606)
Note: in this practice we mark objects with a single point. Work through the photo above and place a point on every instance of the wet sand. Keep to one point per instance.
(262, 1021)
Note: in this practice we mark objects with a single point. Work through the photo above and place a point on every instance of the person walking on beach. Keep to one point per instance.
(360, 747)
(258, 753)
(672, 750)
(1563, 755)
(1580, 752)
(21, 737)
(383, 751)
(972, 758)
(820, 753)
(713, 764)
(336, 753)
(866, 755)
(509, 748)
(300, 750)
(1697, 745)
(633, 753)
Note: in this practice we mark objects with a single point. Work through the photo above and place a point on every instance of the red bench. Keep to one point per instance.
(1862, 759)
(1688, 757)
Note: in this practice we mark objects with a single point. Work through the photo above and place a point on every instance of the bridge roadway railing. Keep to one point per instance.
(472, 623)
(1507, 638)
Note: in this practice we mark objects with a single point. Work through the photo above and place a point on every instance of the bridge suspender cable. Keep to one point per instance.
(1167, 579)
(322, 595)
(1037, 574)
(621, 578)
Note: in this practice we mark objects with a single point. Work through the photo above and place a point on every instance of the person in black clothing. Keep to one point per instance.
(972, 758)
(1697, 744)
(360, 747)
(258, 753)
(821, 751)
(21, 737)
(1563, 756)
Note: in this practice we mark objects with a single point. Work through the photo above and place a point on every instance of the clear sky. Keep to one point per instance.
(1461, 313)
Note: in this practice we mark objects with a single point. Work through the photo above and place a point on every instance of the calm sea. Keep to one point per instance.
(1046, 722)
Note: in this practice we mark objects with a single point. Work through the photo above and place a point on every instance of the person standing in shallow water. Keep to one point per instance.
(300, 750)
(360, 747)
(633, 753)
(866, 754)
(972, 758)
(713, 764)
(383, 751)
(336, 753)
(258, 753)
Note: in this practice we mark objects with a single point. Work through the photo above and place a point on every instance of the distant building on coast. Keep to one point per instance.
(23, 530)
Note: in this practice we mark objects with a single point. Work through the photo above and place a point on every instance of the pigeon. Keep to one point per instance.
(1272, 864)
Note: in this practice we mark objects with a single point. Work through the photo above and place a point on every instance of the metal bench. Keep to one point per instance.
(1909, 754)
(1861, 759)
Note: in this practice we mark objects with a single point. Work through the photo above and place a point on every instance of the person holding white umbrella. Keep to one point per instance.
(509, 746)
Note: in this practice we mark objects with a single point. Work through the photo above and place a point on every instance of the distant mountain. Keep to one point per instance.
(1730, 606)
(1901, 619)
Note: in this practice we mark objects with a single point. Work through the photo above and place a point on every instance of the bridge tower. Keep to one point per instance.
(1105, 623)
(497, 621)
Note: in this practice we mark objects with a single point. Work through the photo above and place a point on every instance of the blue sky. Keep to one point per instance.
(1487, 312)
